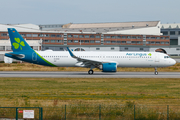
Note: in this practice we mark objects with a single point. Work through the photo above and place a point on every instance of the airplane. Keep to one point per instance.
(103, 60)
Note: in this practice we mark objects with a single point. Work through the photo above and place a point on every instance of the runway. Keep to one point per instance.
(86, 75)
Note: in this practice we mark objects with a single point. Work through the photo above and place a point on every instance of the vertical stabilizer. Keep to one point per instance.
(17, 41)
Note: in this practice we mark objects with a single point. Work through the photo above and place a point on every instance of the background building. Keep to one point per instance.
(127, 36)
(172, 30)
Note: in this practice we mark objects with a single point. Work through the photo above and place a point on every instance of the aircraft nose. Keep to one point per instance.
(173, 62)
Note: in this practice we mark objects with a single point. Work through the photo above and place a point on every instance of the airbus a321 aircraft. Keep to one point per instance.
(105, 61)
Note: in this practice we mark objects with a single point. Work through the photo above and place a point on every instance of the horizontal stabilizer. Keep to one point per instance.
(16, 55)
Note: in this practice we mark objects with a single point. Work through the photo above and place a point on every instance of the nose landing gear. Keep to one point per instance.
(156, 72)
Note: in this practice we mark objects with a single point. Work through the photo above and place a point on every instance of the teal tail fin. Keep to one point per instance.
(22, 51)
(17, 41)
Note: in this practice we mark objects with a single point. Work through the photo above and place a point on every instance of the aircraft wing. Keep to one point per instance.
(86, 62)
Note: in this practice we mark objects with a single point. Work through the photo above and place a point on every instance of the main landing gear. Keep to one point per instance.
(156, 72)
(90, 72)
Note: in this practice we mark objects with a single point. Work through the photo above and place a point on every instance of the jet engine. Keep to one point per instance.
(108, 67)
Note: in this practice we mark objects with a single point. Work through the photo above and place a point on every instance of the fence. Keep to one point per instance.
(95, 112)
(17, 112)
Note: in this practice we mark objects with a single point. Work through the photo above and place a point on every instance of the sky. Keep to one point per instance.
(88, 11)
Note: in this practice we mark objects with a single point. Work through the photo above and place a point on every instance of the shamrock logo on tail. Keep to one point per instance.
(18, 43)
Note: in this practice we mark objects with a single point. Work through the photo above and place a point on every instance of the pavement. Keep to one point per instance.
(86, 75)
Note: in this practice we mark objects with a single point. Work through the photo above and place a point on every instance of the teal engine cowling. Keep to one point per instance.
(109, 67)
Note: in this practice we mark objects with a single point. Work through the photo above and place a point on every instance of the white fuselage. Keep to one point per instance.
(123, 59)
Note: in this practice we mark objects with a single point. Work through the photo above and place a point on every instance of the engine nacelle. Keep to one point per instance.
(109, 67)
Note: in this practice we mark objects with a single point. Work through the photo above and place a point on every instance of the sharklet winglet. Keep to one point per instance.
(71, 53)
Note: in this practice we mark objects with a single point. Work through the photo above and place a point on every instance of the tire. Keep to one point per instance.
(90, 72)
(156, 72)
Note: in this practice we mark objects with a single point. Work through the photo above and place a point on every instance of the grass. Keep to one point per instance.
(34, 67)
(50, 91)
(117, 97)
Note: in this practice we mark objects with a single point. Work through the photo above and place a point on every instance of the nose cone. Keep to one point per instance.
(173, 62)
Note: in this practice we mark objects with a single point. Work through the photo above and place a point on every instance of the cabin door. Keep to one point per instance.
(157, 58)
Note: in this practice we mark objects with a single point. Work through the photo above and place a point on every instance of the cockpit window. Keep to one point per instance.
(166, 57)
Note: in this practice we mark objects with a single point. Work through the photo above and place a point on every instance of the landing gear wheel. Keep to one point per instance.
(90, 72)
(156, 72)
